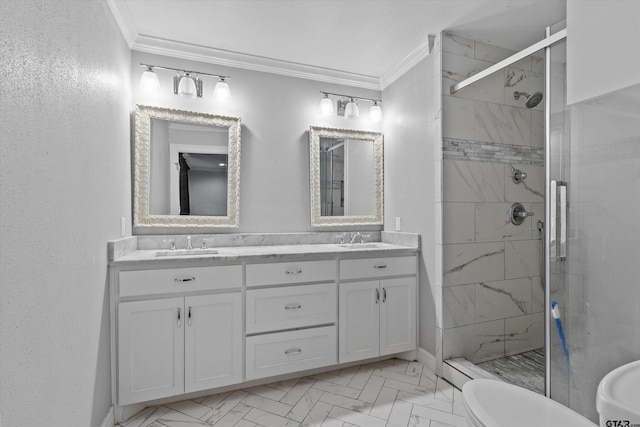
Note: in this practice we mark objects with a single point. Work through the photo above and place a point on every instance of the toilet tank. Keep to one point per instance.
(618, 398)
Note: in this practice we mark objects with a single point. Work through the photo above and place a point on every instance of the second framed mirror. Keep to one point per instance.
(346, 177)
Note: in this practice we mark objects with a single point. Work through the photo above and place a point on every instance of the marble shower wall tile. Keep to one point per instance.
(459, 305)
(476, 343)
(537, 294)
(524, 333)
(458, 223)
(522, 259)
(473, 181)
(493, 223)
(471, 263)
(458, 118)
(499, 300)
(458, 45)
(456, 68)
(502, 124)
(529, 190)
(537, 129)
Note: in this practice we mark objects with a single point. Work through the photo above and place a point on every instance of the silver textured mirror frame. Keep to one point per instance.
(317, 220)
(142, 169)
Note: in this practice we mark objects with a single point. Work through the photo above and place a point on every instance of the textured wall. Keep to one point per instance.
(64, 185)
(412, 157)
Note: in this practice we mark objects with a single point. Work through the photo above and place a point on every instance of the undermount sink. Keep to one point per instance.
(360, 245)
(183, 252)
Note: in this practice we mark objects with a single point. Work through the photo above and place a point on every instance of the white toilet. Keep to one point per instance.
(492, 403)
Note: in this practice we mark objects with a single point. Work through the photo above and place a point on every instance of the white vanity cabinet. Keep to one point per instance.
(377, 315)
(169, 343)
(290, 325)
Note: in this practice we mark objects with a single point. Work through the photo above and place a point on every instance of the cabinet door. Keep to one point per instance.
(150, 349)
(213, 341)
(397, 315)
(359, 321)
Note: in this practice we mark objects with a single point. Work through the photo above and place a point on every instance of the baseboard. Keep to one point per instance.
(109, 419)
(427, 359)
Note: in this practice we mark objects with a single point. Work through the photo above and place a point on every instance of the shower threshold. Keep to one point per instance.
(525, 370)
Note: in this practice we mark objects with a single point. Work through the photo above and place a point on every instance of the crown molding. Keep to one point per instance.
(407, 63)
(123, 20)
(252, 62)
(143, 43)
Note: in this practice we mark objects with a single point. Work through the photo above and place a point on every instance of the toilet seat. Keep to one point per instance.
(491, 403)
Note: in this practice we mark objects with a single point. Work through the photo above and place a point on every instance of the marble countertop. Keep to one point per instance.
(258, 253)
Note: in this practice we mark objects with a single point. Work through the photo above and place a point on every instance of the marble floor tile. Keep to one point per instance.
(390, 393)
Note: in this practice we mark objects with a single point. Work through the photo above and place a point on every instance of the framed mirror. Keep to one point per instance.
(346, 177)
(186, 169)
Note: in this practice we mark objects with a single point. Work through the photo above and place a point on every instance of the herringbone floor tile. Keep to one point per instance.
(391, 393)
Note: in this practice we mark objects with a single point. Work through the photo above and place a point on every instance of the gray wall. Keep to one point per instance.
(64, 185)
(411, 158)
(276, 113)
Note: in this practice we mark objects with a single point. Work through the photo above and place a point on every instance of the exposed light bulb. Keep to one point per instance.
(187, 86)
(326, 106)
(351, 110)
(221, 91)
(375, 113)
(149, 81)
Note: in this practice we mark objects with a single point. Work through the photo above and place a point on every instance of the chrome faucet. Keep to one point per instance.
(354, 236)
(189, 246)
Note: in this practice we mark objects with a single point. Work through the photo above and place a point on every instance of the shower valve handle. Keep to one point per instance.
(524, 214)
(518, 213)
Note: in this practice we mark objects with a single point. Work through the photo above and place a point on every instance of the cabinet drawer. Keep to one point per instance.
(281, 273)
(284, 352)
(377, 267)
(290, 307)
(145, 282)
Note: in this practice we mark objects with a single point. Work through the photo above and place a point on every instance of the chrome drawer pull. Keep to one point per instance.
(189, 316)
(184, 279)
(377, 296)
(380, 266)
(293, 351)
(179, 318)
(293, 272)
(293, 306)
(384, 295)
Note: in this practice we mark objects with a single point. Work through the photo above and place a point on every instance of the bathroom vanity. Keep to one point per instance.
(186, 323)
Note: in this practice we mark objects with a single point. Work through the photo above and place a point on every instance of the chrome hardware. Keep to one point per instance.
(518, 213)
(377, 296)
(189, 316)
(517, 176)
(354, 236)
(204, 243)
(342, 237)
(293, 306)
(384, 295)
(189, 245)
(293, 351)
(293, 272)
(364, 237)
(380, 266)
(179, 318)
(184, 279)
(558, 228)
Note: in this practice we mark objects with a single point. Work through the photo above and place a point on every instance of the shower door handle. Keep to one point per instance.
(558, 220)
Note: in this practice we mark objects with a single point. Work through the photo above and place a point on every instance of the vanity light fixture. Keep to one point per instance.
(149, 81)
(348, 106)
(185, 83)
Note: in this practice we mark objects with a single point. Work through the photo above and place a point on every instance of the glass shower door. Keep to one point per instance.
(594, 160)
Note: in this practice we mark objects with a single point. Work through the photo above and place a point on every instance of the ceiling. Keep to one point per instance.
(366, 43)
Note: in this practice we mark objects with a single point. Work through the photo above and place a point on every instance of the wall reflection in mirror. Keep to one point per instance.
(187, 169)
(346, 177)
(196, 159)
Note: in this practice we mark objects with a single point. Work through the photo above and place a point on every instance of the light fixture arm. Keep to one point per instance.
(200, 73)
(355, 98)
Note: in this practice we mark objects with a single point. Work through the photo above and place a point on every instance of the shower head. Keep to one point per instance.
(532, 100)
